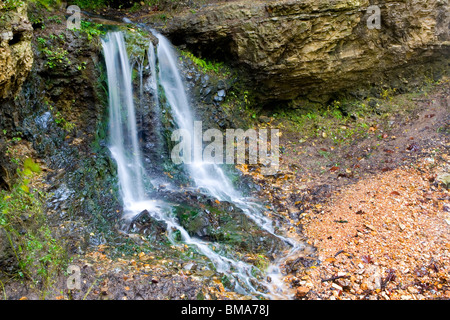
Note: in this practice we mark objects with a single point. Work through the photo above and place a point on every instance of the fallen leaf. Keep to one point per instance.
(367, 259)
(368, 226)
(413, 147)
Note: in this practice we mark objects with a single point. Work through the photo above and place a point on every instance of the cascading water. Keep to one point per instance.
(210, 178)
(207, 176)
(124, 144)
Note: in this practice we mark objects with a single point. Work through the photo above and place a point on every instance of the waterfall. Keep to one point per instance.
(208, 177)
(124, 144)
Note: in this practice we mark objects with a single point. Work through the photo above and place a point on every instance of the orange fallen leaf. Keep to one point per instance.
(23, 298)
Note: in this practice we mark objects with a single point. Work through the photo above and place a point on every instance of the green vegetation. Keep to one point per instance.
(55, 57)
(91, 29)
(48, 4)
(206, 65)
(39, 256)
(132, 5)
(240, 104)
(10, 5)
(53, 49)
(328, 123)
(90, 4)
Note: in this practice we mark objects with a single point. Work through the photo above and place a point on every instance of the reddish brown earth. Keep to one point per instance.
(376, 209)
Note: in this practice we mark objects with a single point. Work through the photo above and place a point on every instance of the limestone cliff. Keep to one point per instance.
(16, 56)
(292, 48)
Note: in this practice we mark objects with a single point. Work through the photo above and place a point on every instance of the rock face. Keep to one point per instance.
(294, 48)
(16, 56)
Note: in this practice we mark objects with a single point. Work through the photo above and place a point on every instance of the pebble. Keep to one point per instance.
(301, 292)
(413, 290)
(336, 286)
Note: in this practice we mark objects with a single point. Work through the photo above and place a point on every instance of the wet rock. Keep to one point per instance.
(221, 85)
(8, 171)
(43, 120)
(221, 93)
(264, 119)
(217, 98)
(7, 257)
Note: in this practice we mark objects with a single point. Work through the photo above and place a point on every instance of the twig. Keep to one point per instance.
(334, 278)
(90, 288)
(4, 290)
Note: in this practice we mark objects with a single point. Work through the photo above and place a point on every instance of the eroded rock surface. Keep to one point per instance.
(293, 48)
(16, 56)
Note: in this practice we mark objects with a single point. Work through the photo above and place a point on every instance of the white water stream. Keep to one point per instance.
(209, 178)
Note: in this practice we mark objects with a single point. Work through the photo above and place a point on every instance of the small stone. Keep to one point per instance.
(264, 119)
(301, 292)
(336, 286)
(412, 290)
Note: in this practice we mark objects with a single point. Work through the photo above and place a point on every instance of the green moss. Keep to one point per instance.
(32, 166)
(10, 5)
(90, 4)
(207, 66)
(39, 256)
